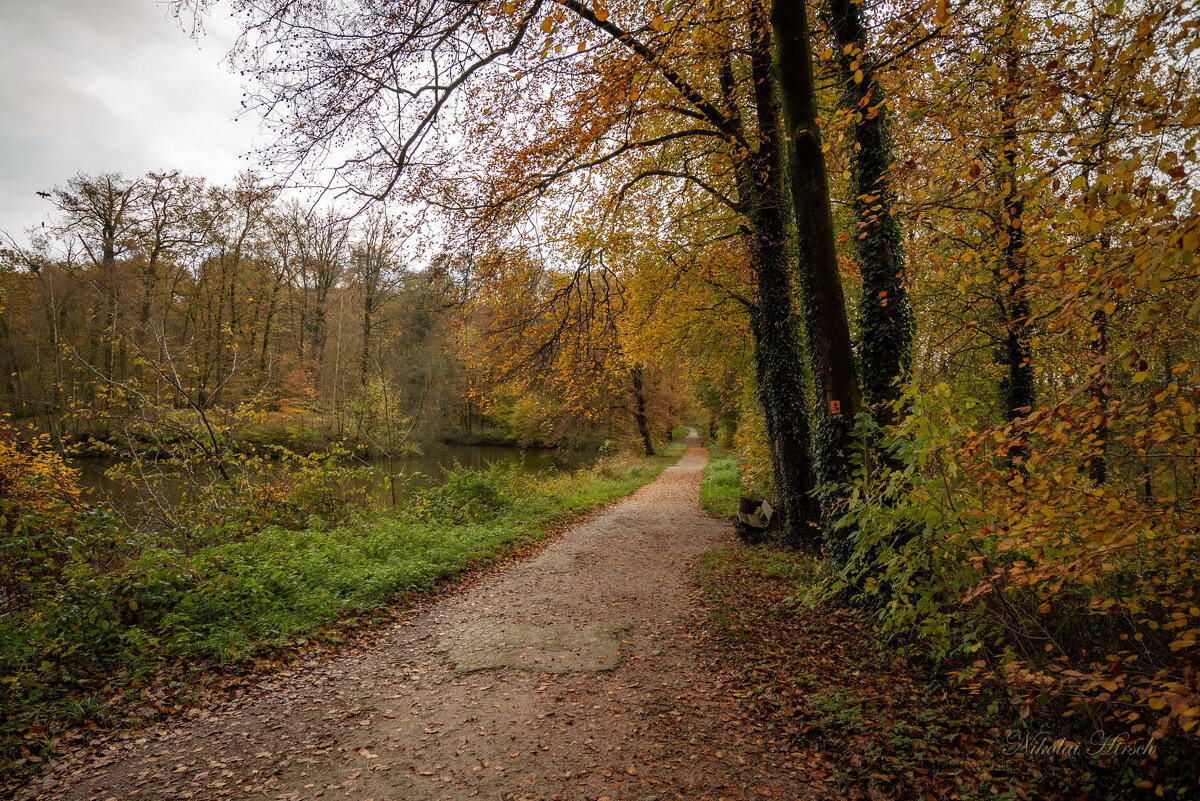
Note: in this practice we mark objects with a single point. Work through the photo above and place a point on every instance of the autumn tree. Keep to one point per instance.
(98, 214)
(171, 221)
(224, 308)
(1045, 192)
(558, 342)
(373, 269)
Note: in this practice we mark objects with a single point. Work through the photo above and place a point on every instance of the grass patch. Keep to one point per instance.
(104, 649)
(721, 484)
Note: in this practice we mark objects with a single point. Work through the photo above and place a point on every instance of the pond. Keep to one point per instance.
(391, 476)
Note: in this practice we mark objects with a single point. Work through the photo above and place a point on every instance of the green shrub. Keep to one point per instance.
(1062, 602)
(467, 494)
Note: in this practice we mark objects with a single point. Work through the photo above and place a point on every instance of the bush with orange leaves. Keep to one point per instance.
(1078, 602)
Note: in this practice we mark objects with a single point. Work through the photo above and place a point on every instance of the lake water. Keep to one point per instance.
(390, 476)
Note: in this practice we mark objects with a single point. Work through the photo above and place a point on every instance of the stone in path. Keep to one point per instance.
(493, 643)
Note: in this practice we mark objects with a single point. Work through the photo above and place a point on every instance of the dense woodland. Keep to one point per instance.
(151, 302)
(929, 268)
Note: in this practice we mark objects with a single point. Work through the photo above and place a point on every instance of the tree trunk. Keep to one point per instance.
(778, 368)
(148, 284)
(108, 266)
(1018, 389)
(778, 356)
(364, 358)
(639, 413)
(1097, 462)
(12, 372)
(885, 319)
(268, 322)
(319, 336)
(831, 356)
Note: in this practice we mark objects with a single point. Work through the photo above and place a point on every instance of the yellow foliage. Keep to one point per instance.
(34, 480)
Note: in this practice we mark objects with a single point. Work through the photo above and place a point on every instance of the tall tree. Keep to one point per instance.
(885, 321)
(827, 327)
(1019, 389)
(373, 269)
(171, 220)
(322, 247)
(100, 213)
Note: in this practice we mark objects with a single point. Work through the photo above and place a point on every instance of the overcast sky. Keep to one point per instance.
(110, 86)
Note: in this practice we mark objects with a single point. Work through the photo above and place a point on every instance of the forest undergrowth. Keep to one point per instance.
(887, 715)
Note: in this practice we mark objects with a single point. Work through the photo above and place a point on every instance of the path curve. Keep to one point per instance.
(583, 673)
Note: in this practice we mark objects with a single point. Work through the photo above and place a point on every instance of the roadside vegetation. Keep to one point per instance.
(929, 267)
(871, 671)
(721, 483)
(873, 725)
(106, 627)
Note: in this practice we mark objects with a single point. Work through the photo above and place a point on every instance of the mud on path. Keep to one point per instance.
(584, 673)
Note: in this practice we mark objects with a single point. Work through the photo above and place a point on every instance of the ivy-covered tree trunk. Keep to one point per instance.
(1018, 391)
(778, 356)
(367, 326)
(823, 304)
(1097, 462)
(639, 409)
(885, 320)
(779, 369)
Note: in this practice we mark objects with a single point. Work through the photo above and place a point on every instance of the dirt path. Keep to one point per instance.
(583, 673)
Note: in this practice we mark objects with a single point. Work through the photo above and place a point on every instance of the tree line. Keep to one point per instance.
(165, 293)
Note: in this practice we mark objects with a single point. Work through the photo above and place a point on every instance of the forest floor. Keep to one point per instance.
(591, 671)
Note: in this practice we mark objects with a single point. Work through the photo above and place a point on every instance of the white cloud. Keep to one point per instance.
(111, 86)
